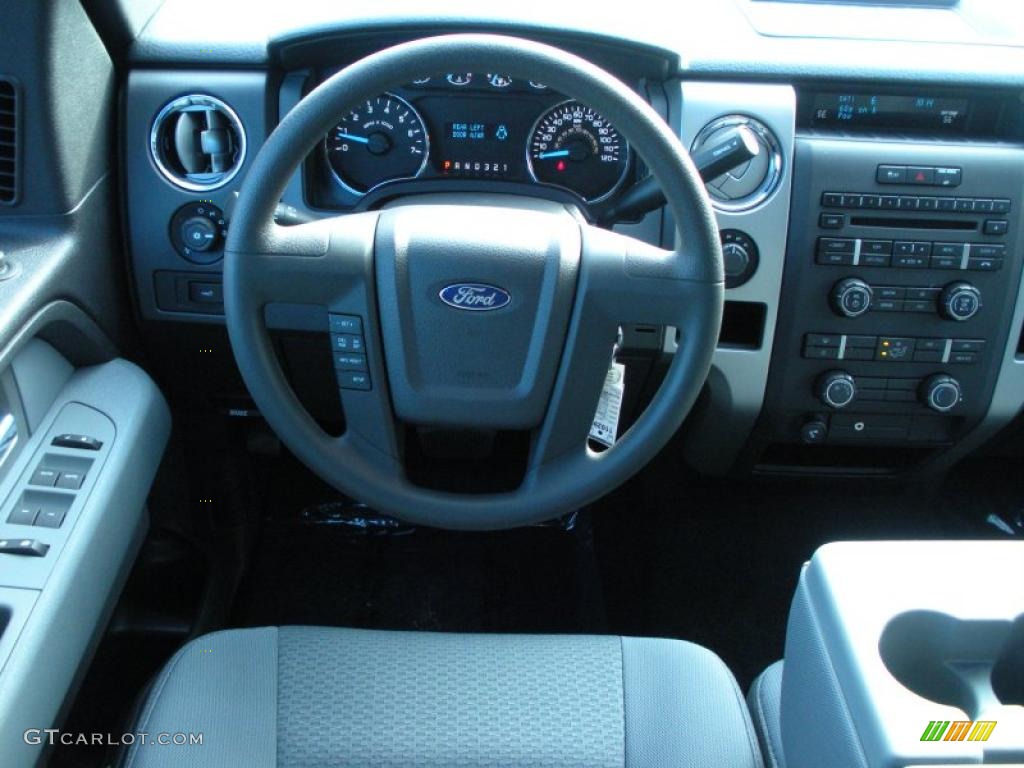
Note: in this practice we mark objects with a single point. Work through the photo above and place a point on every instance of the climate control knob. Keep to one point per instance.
(941, 392)
(851, 297)
(959, 301)
(836, 389)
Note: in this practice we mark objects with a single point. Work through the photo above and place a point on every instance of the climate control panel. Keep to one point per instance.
(895, 312)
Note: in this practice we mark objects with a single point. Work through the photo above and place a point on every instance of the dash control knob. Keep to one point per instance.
(851, 297)
(959, 301)
(199, 234)
(941, 392)
(836, 389)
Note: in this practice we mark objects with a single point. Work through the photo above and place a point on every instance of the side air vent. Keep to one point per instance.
(198, 143)
(8, 142)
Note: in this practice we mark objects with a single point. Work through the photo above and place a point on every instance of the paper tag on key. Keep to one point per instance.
(606, 420)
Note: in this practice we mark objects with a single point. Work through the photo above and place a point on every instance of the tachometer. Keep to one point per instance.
(572, 146)
(382, 139)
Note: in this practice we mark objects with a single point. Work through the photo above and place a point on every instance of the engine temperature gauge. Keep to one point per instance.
(572, 146)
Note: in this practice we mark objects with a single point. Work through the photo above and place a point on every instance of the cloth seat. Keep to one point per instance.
(298, 697)
(765, 701)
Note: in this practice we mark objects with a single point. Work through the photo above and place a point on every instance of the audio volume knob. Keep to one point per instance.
(959, 301)
(941, 392)
(851, 297)
(836, 389)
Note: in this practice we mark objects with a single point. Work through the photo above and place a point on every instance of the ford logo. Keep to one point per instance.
(476, 297)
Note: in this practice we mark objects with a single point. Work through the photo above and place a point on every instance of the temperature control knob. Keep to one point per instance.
(959, 301)
(851, 297)
(836, 389)
(941, 392)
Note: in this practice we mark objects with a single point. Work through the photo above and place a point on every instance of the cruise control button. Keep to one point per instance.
(346, 324)
(344, 342)
(354, 380)
(349, 361)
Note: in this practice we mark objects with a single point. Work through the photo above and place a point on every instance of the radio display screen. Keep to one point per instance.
(866, 110)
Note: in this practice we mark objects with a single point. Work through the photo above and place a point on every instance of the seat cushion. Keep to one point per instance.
(297, 697)
(765, 701)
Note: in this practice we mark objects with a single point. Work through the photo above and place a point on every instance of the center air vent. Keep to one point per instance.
(198, 143)
(8, 141)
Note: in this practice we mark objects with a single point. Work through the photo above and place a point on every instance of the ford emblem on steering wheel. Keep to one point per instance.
(475, 297)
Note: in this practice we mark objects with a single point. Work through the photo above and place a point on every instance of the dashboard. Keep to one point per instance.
(475, 126)
(874, 314)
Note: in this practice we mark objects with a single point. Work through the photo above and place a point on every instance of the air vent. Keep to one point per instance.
(198, 143)
(8, 142)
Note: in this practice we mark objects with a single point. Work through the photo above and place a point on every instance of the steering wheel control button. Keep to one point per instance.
(198, 231)
(836, 389)
(941, 393)
(349, 361)
(23, 514)
(347, 342)
(354, 380)
(350, 324)
(25, 547)
(851, 297)
(959, 301)
(44, 476)
(84, 442)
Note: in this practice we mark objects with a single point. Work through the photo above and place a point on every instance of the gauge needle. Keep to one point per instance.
(350, 137)
(555, 153)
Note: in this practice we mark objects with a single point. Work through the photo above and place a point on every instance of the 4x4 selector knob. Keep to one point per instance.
(941, 392)
(836, 389)
(959, 301)
(851, 297)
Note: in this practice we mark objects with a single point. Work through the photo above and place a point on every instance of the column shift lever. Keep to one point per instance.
(736, 147)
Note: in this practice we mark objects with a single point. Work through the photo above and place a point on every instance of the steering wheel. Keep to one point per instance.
(556, 289)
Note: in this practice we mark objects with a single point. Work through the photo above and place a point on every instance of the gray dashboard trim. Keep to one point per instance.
(718, 429)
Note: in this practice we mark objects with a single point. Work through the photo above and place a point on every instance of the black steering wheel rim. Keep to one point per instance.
(690, 277)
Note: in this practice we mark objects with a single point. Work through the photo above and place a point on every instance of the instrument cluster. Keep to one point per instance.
(478, 126)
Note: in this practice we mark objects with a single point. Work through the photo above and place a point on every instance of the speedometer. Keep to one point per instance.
(382, 139)
(572, 146)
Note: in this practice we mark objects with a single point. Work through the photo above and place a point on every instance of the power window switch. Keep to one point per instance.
(70, 481)
(50, 518)
(45, 477)
(77, 441)
(27, 547)
(23, 514)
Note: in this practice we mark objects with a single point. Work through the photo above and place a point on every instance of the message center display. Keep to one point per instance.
(914, 111)
(476, 148)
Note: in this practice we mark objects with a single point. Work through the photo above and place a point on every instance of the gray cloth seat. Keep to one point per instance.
(308, 696)
(765, 701)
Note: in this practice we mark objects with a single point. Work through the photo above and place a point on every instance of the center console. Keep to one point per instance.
(901, 279)
(906, 653)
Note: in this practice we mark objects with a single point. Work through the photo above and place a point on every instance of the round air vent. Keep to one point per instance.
(752, 183)
(197, 143)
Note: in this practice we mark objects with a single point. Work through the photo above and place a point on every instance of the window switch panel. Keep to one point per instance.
(70, 481)
(23, 514)
(44, 476)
